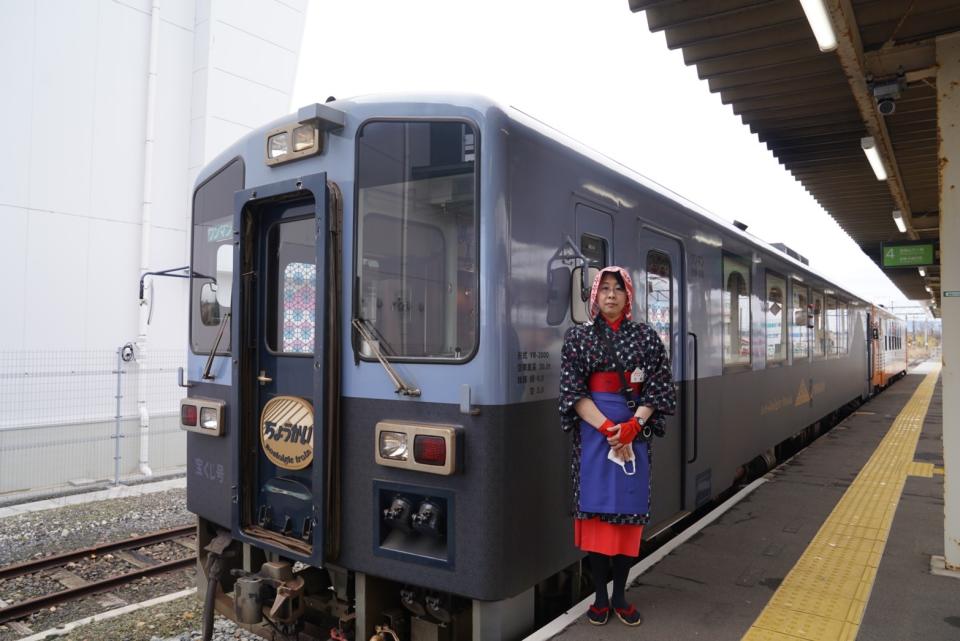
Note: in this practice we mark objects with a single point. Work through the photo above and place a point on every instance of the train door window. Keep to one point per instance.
(736, 311)
(776, 318)
(819, 332)
(830, 344)
(799, 334)
(293, 287)
(417, 238)
(660, 296)
(594, 249)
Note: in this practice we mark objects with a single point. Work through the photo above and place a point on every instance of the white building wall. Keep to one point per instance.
(72, 124)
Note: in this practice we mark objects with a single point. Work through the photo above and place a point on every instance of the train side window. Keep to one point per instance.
(660, 296)
(776, 321)
(844, 325)
(736, 312)
(831, 335)
(799, 335)
(819, 334)
(594, 249)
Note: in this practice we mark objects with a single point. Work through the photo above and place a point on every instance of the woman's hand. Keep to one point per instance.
(621, 435)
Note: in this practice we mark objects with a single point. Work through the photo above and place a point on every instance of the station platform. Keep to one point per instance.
(835, 544)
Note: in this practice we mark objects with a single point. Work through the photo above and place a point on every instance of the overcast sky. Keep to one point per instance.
(594, 71)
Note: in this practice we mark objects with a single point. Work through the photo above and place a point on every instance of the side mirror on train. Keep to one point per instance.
(580, 294)
(224, 286)
(209, 307)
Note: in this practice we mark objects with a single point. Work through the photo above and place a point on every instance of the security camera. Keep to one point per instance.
(886, 91)
(886, 106)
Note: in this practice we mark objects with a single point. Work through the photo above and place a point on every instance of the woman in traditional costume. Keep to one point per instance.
(611, 435)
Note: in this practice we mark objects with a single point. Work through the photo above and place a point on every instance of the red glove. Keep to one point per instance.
(629, 430)
(607, 424)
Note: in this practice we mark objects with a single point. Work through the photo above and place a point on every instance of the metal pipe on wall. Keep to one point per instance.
(146, 223)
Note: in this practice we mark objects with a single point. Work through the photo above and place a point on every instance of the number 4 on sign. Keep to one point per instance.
(891, 253)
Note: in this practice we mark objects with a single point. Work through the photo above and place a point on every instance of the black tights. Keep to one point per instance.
(600, 568)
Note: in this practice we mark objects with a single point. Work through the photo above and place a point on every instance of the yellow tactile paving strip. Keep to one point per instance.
(825, 594)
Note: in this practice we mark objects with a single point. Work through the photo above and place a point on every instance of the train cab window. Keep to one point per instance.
(799, 333)
(819, 331)
(293, 287)
(417, 236)
(660, 296)
(776, 318)
(212, 229)
(833, 330)
(736, 312)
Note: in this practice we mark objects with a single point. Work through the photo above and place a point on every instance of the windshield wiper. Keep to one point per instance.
(207, 376)
(362, 326)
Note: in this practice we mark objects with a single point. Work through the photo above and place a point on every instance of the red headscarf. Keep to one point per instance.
(627, 283)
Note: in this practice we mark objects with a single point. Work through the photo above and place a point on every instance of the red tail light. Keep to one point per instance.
(430, 450)
(188, 415)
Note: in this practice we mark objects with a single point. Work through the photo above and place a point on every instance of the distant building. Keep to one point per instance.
(74, 125)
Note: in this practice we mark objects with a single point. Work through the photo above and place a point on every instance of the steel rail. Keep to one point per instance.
(20, 610)
(29, 567)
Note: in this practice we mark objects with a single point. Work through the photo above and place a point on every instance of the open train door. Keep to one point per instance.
(285, 364)
(660, 303)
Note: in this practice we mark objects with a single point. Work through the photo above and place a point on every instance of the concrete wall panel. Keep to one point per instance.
(57, 253)
(17, 33)
(13, 285)
(111, 284)
(63, 105)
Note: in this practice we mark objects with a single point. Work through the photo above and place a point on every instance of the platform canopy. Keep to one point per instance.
(813, 109)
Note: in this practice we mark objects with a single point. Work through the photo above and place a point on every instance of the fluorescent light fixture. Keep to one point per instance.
(869, 146)
(922, 271)
(898, 218)
(820, 24)
(927, 287)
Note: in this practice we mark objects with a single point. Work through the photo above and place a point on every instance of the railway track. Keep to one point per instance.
(76, 586)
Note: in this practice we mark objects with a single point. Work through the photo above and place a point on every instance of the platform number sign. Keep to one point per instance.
(908, 254)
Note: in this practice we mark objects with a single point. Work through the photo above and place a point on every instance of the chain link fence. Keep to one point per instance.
(61, 413)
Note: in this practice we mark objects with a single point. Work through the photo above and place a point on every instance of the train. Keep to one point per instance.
(379, 292)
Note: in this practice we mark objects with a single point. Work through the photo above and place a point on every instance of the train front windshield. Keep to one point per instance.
(417, 238)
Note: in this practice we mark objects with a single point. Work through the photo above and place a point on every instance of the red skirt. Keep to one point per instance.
(594, 535)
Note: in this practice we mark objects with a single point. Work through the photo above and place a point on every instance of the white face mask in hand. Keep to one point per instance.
(625, 459)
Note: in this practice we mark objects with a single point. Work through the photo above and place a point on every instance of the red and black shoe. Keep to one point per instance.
(629, 615)
(597, 615)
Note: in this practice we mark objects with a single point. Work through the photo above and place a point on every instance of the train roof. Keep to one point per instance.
(367, 106)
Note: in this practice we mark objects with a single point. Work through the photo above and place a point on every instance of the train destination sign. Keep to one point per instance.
(908, 254)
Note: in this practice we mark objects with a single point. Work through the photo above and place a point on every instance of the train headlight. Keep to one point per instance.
(304, 137)
(278, 145)
(393, 445)
(209, 418)
(424, 447)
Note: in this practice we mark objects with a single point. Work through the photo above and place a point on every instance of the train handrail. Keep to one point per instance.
(696, 403)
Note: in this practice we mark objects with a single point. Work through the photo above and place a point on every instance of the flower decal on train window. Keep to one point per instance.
(299, 295)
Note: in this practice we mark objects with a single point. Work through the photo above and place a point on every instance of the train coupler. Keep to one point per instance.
(273, 593)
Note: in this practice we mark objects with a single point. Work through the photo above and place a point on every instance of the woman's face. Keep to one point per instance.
(612, 297)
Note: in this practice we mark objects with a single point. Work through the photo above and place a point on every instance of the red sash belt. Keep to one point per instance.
(609, 382)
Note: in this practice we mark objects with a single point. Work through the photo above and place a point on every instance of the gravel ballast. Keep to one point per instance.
(56, 531)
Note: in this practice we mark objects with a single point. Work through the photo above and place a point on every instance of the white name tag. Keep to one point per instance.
(637, 376)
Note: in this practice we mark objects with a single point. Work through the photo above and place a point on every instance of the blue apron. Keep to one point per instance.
(604, 487)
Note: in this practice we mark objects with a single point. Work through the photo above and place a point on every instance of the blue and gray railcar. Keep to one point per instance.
(380, 288)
